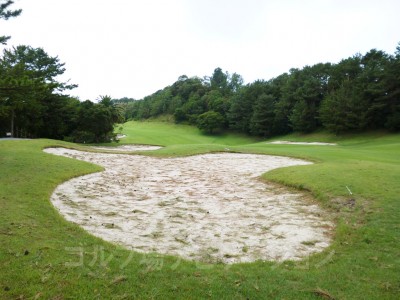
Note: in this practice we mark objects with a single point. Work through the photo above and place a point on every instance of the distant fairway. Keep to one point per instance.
(42, 256)
(164, 134)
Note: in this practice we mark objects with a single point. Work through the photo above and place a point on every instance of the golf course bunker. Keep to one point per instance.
(211, 208)
(128, 148)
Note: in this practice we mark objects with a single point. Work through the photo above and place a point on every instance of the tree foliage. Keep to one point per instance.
(210, 121)
(262, 122)
(361, 92)
(32, 103)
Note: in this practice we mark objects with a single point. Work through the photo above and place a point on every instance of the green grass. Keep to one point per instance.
(167, 134)
(42, 256)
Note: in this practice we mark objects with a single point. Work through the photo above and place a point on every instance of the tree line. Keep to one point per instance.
(33, 102)
(359, 93)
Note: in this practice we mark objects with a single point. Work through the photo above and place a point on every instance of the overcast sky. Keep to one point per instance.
(132, 48)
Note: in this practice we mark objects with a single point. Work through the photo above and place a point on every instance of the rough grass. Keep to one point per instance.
(44, 257)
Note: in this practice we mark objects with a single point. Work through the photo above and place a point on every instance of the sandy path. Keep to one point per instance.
(209, 207)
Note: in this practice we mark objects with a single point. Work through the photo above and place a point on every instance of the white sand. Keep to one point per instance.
(128, 148)
(302, 143)
(211, 207)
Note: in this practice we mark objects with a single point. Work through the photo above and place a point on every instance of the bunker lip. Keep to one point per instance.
(210, 208)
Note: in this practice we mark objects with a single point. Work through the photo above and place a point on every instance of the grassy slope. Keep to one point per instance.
(362, 263)
(162, 133)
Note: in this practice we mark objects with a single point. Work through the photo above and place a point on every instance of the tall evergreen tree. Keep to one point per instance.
(373, 87)
(392, 97)
(28, 76)
(242, 105)
(219, 81)
(344, 109)
(263, 120)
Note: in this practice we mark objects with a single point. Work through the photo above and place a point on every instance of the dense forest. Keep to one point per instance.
(34, 103)
(359, 93)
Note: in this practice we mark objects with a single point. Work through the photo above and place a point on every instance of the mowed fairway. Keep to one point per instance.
(42, 256)
(165, 134)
